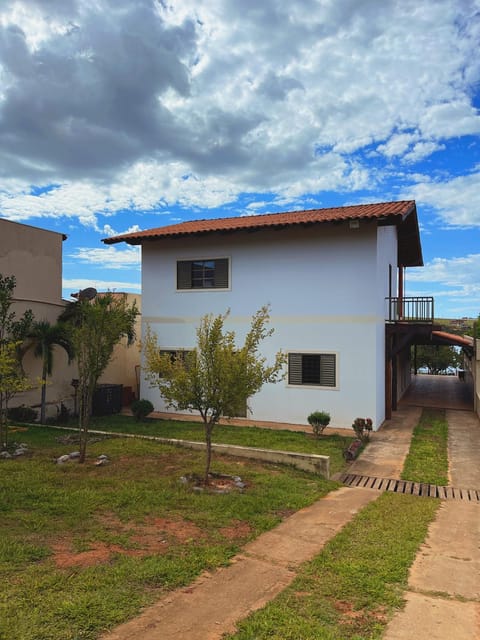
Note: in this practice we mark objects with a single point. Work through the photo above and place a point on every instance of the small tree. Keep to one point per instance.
(217, 377)
(12, 335)
(45, 337)
(95, 327)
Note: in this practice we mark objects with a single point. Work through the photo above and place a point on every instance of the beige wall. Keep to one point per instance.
(122, 367)
(34, 257)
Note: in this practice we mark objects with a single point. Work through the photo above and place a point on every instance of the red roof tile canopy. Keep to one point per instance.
(403, 214)
(442, 337)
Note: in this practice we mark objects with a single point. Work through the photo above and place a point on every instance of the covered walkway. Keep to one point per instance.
(445, 392)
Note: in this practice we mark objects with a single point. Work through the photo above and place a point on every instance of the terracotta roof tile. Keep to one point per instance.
(453, 338)
(377, 211)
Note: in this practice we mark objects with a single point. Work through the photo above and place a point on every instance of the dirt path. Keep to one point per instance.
(443, 601)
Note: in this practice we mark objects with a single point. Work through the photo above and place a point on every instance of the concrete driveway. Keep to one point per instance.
(444, 392)
(443, 601)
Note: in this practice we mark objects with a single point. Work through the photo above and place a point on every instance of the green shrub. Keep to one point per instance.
(362, 428)
(22, 414)
(318, 420)
(141, 409)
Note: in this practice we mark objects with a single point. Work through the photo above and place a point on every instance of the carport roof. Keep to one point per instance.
(442, 337)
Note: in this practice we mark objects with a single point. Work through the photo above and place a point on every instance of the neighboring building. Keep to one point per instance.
(34, 257)
(124, 368)
(334, 281)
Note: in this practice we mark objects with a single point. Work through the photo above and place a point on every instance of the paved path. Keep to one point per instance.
(443, 601)
(385, 455)
(447, 562)
(210, 607)
(444, 392)
(216, 601)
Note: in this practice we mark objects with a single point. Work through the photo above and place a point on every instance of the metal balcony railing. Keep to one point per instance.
(418, 309)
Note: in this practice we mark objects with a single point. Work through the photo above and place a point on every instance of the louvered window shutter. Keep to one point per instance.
(294, 368)
(221, 273)
(327, 370)
(184, 274)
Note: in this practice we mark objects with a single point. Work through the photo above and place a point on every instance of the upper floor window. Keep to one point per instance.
(203, 274)
(312, 369)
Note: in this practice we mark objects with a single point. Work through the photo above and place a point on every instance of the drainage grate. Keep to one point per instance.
(410, 488)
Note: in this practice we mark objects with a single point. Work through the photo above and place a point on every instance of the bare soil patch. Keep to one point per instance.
(236, 530)
(154, 536)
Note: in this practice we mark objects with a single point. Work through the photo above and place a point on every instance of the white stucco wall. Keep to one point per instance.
(326, 287)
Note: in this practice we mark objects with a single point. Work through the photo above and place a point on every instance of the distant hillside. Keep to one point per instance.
(460, 326)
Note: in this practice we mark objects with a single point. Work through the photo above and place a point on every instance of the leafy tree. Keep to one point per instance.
(217, 377)
(438, 358)
(45, 337)
(12, 334)
(95, 327)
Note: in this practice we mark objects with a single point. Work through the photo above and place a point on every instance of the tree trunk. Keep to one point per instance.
(208, 440)
(84, 418)
(43, 400)
(3, 423)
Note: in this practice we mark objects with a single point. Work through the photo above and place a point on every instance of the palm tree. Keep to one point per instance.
(45, 337)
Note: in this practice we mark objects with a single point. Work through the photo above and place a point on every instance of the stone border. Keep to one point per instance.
(311, 462)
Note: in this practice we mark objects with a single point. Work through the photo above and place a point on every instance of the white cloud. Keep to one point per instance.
(73, 285)
(422, 150)
(454, 283)
(457, 201)
(140, 106)
(451, 272)
(452, 119)
(398, 144)
(110, 231)
(223, 98)
(109, 257)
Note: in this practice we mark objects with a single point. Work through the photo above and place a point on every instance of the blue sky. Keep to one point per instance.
(132, 114)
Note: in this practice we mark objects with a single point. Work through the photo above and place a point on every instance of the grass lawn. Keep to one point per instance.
(349, 591)
(83, 547)
(427, 460)
(329, 445)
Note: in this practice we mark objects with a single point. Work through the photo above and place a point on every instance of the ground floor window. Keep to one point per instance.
(312, 369)
(176, 354)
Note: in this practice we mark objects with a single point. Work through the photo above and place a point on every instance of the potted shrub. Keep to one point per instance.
(318, 421)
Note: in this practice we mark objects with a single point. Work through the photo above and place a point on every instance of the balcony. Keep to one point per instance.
(418, 309)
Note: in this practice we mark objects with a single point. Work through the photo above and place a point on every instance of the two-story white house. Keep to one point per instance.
(334, 281)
